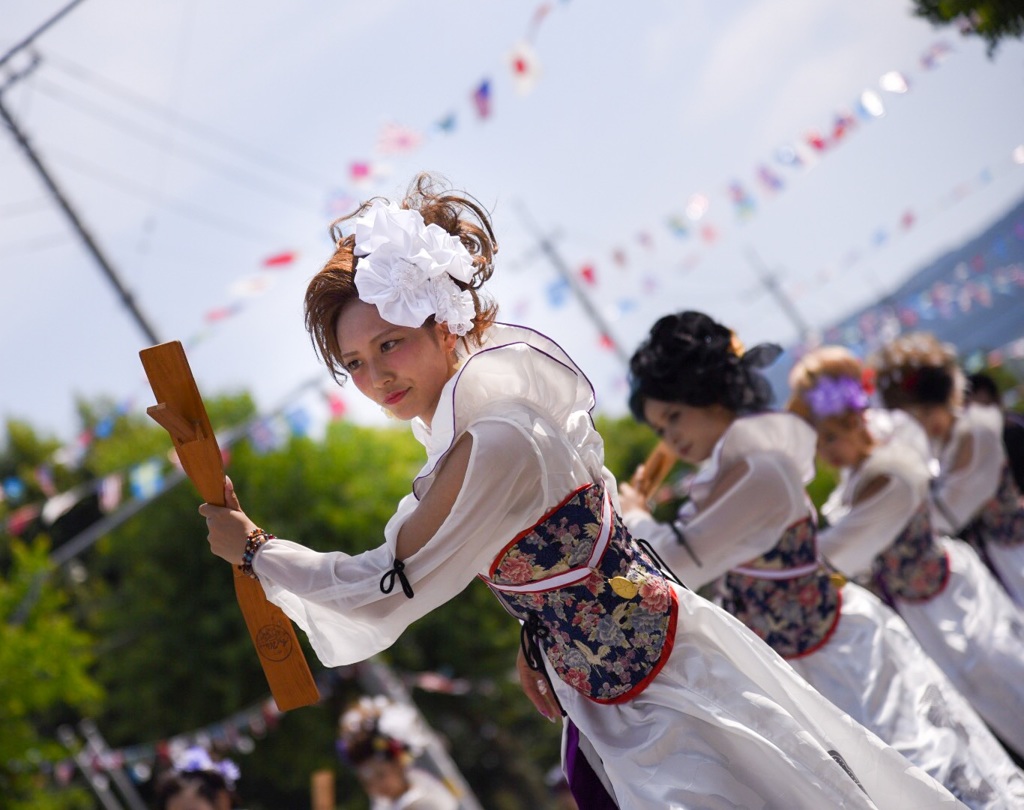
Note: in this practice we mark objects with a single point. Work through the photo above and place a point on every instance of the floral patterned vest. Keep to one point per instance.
(602, 612)
(786, 596)
(913, 568)
(1001, 519)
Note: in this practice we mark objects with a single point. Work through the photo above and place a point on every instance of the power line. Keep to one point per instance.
(131, 187)
(77, 224)
(158, 141)
(198, 129)
(35, 34)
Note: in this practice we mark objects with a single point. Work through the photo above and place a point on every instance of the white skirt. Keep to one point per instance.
(976, 634)
(727, 723)
(876, 670)
(1008, 561)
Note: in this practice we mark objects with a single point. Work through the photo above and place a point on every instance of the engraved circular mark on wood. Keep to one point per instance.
(274, 642)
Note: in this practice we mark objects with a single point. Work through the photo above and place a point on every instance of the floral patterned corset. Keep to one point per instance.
(786, 596)
(600, 609)
(913, 568)
(1001, 519)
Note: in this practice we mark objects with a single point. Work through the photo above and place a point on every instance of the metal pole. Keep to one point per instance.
(771, 283)
(69, 740)
(548, 247)
(76, 222)
(99, 748)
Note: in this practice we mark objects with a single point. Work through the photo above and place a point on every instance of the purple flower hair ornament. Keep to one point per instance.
(834, 396)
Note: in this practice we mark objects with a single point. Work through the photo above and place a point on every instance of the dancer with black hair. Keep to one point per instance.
(974, 496)
(749, 531)
(380, 740)
(197, 781)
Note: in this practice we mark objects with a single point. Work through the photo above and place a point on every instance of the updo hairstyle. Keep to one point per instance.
(690, 358)
(334, 285)
(918, 369)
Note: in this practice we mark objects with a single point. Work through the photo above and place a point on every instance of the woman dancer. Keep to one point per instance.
(974, 497)
(379, 739)
(750, 529)
(880, 532)
(197, 782)
(685, 706)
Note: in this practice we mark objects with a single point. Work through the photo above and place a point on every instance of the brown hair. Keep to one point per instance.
(826, 361)
(918, 369)
(334, 285)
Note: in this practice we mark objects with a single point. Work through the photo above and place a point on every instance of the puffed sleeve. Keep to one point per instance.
(743, 522)
(336, 598)
(960, 493)
(863, 527)
(869, 527)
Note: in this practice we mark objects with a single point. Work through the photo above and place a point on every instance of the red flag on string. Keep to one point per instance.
(524, 64)
(280, 259)
(336, 404)
(605, 342)
(587, 274)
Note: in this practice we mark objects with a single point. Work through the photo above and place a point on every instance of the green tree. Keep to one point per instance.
(44, 673)
(993, 20)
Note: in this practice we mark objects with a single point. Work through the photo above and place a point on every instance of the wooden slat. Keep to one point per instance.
(181, 412)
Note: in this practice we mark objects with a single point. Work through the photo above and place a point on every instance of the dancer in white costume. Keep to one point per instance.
(749, 529)
(975, 496)
(880, 533)
(685, 706)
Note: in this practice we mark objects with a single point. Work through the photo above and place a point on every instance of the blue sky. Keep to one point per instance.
(198, 139)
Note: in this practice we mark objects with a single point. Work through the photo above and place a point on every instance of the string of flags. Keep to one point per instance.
(238, 732)
(987, 280)
(141, 481)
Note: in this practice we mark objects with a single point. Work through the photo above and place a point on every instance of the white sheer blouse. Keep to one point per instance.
(775, 454)
(527, 407)
(960, 493)
(859, 531)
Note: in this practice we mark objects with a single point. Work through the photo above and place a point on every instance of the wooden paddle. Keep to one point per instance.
(655, 469)
(181, 412)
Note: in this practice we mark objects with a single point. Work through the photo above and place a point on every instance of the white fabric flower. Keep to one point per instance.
(405, 268)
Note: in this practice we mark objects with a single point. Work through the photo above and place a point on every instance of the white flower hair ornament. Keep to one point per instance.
(406, 269)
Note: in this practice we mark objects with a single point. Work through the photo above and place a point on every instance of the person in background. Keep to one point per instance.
(974, 495)
(198, 782)
(982, 390)
(880, 533)
(379, 739)
(749, 530)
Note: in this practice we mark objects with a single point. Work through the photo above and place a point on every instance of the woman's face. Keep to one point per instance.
(843, 441)
(937, 420)
(402, 369)
(189, 799)
(690, 432)
(384, 779)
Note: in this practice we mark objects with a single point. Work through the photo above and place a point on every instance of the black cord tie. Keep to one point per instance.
(668, 572)
(387, 582)
(681, 539)
(533, 630)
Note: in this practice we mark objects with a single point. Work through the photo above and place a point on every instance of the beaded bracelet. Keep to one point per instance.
(253, 541)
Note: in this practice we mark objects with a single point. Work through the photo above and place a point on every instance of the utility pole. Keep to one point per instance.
(51, 183)
(770, 281)
(98, 782)
(548, 249)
